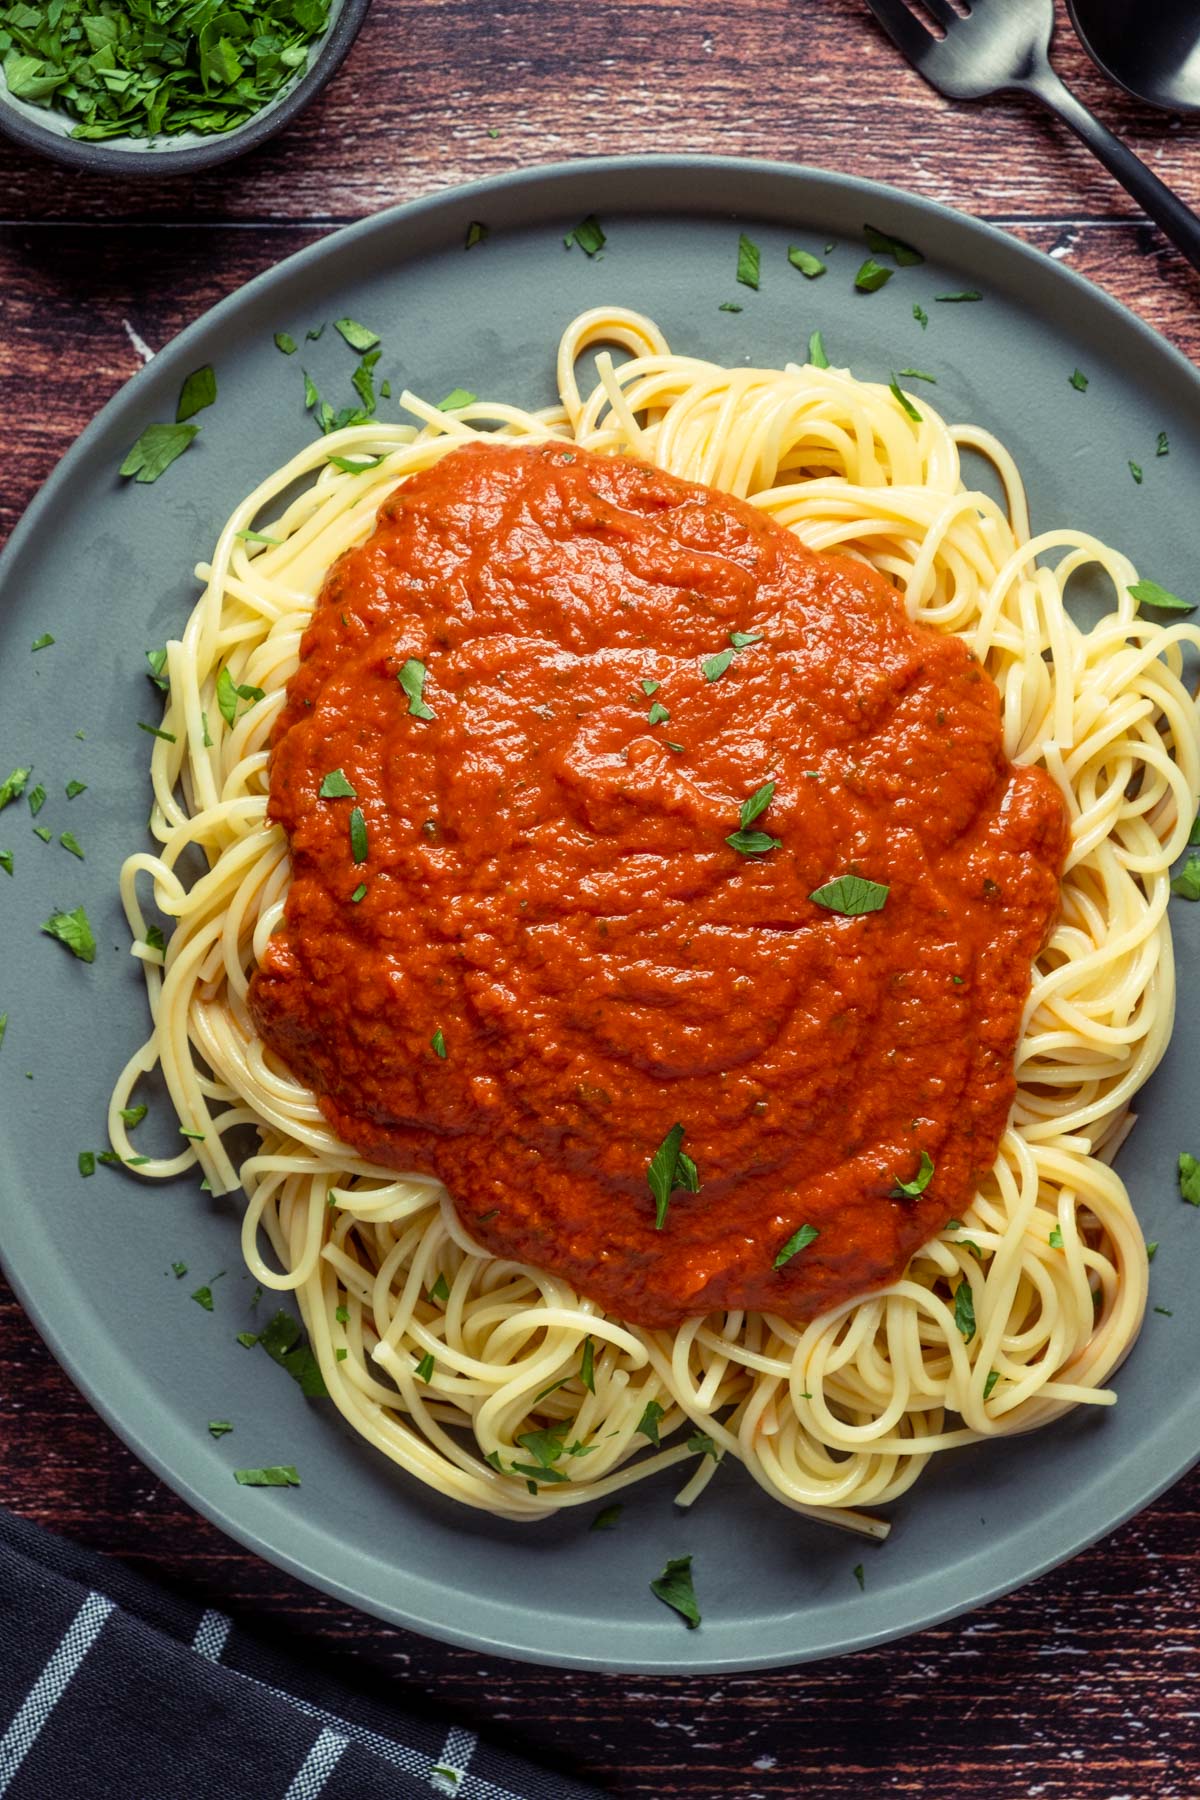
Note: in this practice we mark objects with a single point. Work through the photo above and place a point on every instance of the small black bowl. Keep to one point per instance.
(49, 132)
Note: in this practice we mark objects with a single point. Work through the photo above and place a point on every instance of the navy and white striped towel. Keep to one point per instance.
(113, 1689)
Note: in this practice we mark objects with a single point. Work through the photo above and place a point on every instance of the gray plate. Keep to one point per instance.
(105, 568)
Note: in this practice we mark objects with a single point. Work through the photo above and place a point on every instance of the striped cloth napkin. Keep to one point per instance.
(114, 1689)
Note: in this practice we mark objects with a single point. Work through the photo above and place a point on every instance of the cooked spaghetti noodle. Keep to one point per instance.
(1047, 1265)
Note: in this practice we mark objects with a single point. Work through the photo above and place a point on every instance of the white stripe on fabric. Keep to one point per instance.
(317, 1766)
(454, 1761)
(211, 1634)
(51, 1685)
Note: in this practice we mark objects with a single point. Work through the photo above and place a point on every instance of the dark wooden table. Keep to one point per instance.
(1084, 1686)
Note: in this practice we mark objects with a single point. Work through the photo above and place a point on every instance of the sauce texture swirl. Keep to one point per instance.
(539, 884)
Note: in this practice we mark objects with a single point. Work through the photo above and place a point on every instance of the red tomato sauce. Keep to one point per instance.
(550, 897)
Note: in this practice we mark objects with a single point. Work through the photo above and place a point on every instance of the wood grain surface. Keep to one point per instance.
(1084, 1686)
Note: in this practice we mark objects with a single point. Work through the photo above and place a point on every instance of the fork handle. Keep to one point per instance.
(1164, 206)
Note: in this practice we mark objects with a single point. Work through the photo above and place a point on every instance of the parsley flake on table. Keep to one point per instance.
(670, 1170)
(74, 930)
(851, 895)
(799, 1240)
(748, 260)
(872, 276)
(675, 1589)
(156, 450)
(910, 1190)
(1149, 593)
(809, 266)
(198, 391)
(277, 1475)
(588, 234)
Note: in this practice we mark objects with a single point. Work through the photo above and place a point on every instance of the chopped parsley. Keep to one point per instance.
(918, 375)
(754, 843)
(203, 1297)
(1187, 883)
(860, 1576)
(588, 235)
(903, 399)
(799, 1240)
(650, 687)
(218, 1428)
(1149, 593)
(808, 265)
(715, 666)
(42, 643)
(1079, 382)
(75, 788)
(1189, 1179)
(674, 1588)
(198, 391)
(1151, 1249)
(360, 893)
(648, 1424)
(909, 1190)
(958, 299)
(606, 1518)
(670, 1169)
(14, 786)
(350, 465)
(920, 315)
(168, 737)
(43, 832)
(6, 861)
(87, 1162)
(658, 714)
(359, 337)
(37, 799)
(438, 1043)
(703, 1445)
(358, 835)
(587, 1366)
(816, 351)
(989, 1384)
(851, 895)
(476, 234)
(964, 1310)
(283, 1340)
(286, 342)
(456, 399)
(68, 842)
(872, 276)
(336, 787)
(1055, 1240)
(896, 248)
(74, 930)
(155, 451)
(412, 680)
(425, 1368)
(741, 640)
(229, 693)
(440, 1290)
(277, 1475)
(748, 259)
(1135, 469)
(1163, 447)
(726, 306)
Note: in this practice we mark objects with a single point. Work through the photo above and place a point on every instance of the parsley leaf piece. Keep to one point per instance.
(440, 1290)
(336, 787)
(896, 248)
(283, 1341)
(74, 788)
(69, 842)
(674, 1588)
(809, 266)
(1187, 883)
(918, 375)
(424, 1370)
(903, 399)
(851, 895)
(203, 1297)
(218, 1428)
(1149, 593)
(748, 259)
(670, 1169)
(964, 1310)
(715, 666)
(286, 342)
(799, 1240)
(910, 1190)
(860, 1576)
(606, 1518)
(360, 893)
(229, 693)
(650, 687)
(1189, 1179)
(43, 832)
(158, 662)
(816, 351)
(587, 1366)
(1079, 382)
(198, 391)
(658, 714)
(920, 315)
(1163, 446)
(277, 1475)
(168, 737)
(359, 337)
(758, 803)
(1151, 1249)
(438, 1043)
(155, 939)
(349, 465)
(872, 276)
(74, 930)
(648, 1424)
(753, 843)
(42, 643)
(456, 399)
(741, 640)
(156, 450)
(957, 299)
(412, 680)
(725, 306)
(588, 235)
(989, 1384)
(1135, 469)
(6, 861)
(14, 786)
(37, 799)
(703, 1445)
(133, 1115)
(476, 234)
(1055, 1240)
(544, 1446)
(358, 835)
(87, 1161)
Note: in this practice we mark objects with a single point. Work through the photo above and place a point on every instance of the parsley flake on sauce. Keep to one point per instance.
(650, 687)
(438, 1043)
(675, 1589)
(964, 1310)
(757, 803)
(748, 259)
(809, 266)
(910, 1190)
(359, 337)
(1149, 593)
(872, 276)
(588, 234)
(155, 451)
(816, 351)
(278, 1475)
(670, 1169)
(658, 714)
(753, 843)
(360, 893)
(896, 248)
(741, 640)
(1189, 1179)
(358, 835)
(198, 391)
(799, 1240)
(74, 930)
(851, 895)
(903, 399)
(336, 787)
(412, 680)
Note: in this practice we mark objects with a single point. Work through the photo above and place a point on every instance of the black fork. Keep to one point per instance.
(1005, 44)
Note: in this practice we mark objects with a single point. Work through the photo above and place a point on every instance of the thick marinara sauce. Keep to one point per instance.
(548, 885)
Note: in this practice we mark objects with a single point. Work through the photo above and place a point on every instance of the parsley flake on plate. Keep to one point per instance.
(748, 260)
(816, 351)
(920, 315)
(277, 1475)
(456, 399)
(1187, 883)
(649, 1422)
(903, 399)
(74, 930)
(1079, 382)
(219, 1428)
(588, 234)
(476, 234)
(675, 1589)
(872, 276)
(1189, 1178)
(964, 1310)
(286, 342)
(156, 450)
(964, 295)
(1149, 593)
(198, 391)
(809, 266)
(13, 786)
(606, 1518)
(42, 643)
(884, 245)
(359, 337)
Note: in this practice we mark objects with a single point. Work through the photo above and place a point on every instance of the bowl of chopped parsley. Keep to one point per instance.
(154, 87)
